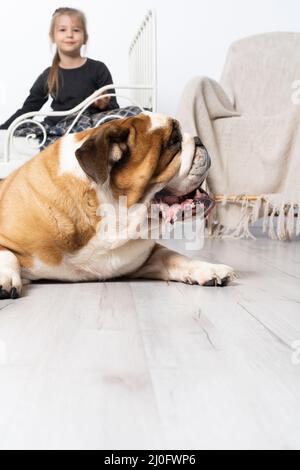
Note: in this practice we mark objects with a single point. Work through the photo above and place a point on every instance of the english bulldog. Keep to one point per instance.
(51, 208)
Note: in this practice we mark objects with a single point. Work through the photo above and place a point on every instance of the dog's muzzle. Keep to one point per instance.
(188, 192)
(201, 163)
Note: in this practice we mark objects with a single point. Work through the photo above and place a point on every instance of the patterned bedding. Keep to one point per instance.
(87, 120)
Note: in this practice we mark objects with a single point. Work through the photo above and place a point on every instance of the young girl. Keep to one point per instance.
(71, 78)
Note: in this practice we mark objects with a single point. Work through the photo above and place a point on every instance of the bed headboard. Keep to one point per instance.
(143, 62)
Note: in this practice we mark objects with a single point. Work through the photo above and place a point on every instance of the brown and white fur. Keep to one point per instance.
(50, 208)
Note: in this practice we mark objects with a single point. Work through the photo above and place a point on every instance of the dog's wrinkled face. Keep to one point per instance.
(147, 159)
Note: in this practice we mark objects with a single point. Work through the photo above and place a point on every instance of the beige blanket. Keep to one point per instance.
(251, 155)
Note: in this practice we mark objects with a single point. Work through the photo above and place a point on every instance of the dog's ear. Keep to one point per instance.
(100, 151)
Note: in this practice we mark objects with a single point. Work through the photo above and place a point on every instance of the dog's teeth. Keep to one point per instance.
(198, 193)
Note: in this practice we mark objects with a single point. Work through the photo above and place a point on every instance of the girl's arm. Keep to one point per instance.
(104, 78)
(34, 102)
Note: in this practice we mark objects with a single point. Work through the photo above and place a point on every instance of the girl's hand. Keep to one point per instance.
(102, 103)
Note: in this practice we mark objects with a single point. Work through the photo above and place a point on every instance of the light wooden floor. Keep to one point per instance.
(128, 365)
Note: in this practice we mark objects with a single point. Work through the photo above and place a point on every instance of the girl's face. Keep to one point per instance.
(68, 35)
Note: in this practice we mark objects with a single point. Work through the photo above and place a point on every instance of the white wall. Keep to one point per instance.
(193, 37)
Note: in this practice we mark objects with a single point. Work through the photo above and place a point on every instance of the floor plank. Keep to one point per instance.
(150, 364)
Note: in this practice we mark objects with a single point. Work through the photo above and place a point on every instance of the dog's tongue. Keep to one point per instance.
(171, 207)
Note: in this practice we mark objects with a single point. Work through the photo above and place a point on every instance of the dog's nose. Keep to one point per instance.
(198, 142)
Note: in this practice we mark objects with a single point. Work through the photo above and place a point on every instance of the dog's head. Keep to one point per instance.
(146, 158)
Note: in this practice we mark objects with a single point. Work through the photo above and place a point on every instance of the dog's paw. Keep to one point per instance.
(10, 284)
(211, 275)
(219, 275)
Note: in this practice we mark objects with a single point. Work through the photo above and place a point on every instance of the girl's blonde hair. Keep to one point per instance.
(53, 82)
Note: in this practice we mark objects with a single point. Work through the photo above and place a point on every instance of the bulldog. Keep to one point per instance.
(51, 208)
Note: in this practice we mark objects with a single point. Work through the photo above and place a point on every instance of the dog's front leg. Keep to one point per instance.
(10, 275)
(168, 265)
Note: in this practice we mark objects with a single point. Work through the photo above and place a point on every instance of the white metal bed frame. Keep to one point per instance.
(142, 87)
